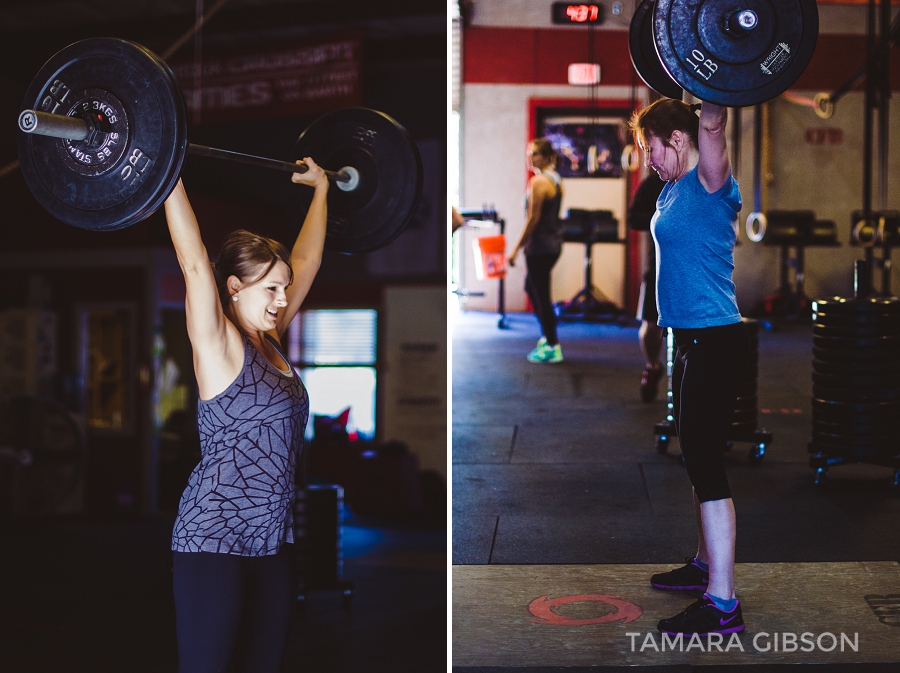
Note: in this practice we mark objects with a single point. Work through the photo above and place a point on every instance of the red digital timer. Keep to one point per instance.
(564, 12)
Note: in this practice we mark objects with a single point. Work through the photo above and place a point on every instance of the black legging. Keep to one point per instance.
(219, 595)
(707, 369)
(537, 285)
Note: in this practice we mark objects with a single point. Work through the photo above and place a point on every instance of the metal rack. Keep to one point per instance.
(743, 427)
(483, 219)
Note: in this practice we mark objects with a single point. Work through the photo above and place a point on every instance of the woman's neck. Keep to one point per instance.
(693, 158)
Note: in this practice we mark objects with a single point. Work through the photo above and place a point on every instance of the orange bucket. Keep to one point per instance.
(490, 256)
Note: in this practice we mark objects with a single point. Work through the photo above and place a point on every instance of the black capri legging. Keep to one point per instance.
(537, 285)
(228, 605)
(708, 366)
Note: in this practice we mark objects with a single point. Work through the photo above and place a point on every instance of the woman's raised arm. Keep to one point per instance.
(714, 167)
(306, 255)
(206, 323)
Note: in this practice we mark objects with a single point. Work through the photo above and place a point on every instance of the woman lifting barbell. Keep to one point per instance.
(542, 240)
(694, 234)
(236, 514)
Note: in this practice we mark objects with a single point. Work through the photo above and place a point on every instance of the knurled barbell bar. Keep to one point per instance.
(728, 52)
(105, 137)
(75, 129)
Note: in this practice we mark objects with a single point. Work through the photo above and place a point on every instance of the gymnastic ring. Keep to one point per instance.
(592, 160)
(823, 106)
(759, 219)
(631, 159)
(858, 230)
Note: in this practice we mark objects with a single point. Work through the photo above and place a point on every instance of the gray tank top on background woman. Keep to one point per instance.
(547, 238)
(240, 498)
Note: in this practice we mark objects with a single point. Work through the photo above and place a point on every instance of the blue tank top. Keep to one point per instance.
(694, 232)
(240, 498)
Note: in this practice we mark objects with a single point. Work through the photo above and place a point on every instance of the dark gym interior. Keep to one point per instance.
(99, 400)
(569, 491)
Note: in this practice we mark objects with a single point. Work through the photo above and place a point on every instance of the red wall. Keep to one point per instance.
(542, 55)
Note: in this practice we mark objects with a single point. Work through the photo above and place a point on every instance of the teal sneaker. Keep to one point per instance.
(546, 353)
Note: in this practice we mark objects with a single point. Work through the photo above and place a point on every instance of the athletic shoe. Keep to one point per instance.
(703, 617)
(546, 353)
(690, 577)
(650, 383)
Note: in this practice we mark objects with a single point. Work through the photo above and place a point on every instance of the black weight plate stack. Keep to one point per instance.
(856, 377)
(390, 176)
(131, 164)
(704, 52)
(643, 53)
(744, 421)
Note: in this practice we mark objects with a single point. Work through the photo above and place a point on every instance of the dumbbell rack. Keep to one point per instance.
(743, 427)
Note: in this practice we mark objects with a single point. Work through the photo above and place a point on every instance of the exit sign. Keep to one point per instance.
(574, 14)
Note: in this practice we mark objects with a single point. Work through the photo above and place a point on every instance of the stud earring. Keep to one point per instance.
(234, 297)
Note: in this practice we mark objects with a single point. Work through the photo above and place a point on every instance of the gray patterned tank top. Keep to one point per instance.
(239, 499)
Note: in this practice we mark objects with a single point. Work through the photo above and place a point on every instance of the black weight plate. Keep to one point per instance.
(748, 402)
(856, 332)
(858, 429)
(855, 394)
(744, 415)
(829, 319)
(884, 345)
(742, 429)
(643, 53)
(752, 327)
(856, 442)
(390, 176)
(847, 355)
(853, 306)
(116, 180)
(720, 67)
(875, 408)
(870, 382)
(852, 420)
(747, 389)
(866, 368)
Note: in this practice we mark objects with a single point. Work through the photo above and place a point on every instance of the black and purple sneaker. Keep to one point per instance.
(690, 577)
(703, 617)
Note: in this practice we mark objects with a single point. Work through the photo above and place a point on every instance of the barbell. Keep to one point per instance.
(732, 53)
(104, 139)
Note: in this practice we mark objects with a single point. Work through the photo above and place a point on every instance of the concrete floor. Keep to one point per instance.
(556, 464)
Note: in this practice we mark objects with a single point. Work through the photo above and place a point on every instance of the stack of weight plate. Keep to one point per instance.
(856, 381)
(744, 421)
(746, 408)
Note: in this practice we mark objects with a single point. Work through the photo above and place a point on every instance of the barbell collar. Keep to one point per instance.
(54, 126)
(263, 162)
(743, 21)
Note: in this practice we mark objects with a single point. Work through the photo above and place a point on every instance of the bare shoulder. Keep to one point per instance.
(217, 366)
(541, 184)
